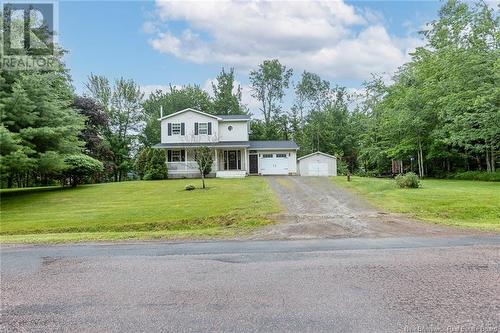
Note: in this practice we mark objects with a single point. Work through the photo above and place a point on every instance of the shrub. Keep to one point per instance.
(363, 173)
(342, 168)
(141, 162)
(409, 180)
(189, 187)
(80, 166)
(156, 167)
(478, 175)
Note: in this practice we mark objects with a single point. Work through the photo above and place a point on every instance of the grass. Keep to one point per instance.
(136, 210)
(453, 202)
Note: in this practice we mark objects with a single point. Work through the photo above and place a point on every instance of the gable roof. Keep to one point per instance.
(273, 144)
(316, 153)
(192, 110)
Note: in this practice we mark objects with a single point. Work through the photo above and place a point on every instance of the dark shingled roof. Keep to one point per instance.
(275, 144)
(243, 144)
(233, 116)
(278, 144)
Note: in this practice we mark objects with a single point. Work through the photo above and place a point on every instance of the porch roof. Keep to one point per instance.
(223, 144)
(262, 145)
(273, 144)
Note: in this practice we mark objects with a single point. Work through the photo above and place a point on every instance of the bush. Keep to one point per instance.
(409, 180)
(477, 175)
(141, 162)
(156, 166)
(189, 187)
(80, 166)
(363, 173)
(342, 168)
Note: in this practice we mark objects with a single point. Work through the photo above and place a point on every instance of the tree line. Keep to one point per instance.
(439, 114)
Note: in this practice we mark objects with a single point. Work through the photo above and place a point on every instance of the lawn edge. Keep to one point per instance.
(376, 205)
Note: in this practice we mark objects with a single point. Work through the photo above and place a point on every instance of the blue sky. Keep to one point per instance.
(187, 42)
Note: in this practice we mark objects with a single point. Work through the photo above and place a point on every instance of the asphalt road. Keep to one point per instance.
(344, 285)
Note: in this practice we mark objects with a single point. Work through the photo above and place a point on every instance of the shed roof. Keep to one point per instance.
(316, 153)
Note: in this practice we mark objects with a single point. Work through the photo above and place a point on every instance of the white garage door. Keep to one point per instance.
(318, 169)
(274, 164)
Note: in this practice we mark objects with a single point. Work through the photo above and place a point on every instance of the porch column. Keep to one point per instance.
(247, 165)
(216, 160)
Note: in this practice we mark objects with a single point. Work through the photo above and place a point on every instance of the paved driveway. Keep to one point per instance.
(316, 208)
(341, 285)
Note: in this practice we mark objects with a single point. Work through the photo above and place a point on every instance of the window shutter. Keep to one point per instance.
(195, 128)
(183, 155)
(169, 130)
(209, 128)
(169, 154)
(182, 128)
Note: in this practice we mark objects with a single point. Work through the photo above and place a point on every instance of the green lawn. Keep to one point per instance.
(454, 202)
(136, 210)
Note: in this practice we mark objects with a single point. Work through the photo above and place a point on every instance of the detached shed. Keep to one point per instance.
(317, 164)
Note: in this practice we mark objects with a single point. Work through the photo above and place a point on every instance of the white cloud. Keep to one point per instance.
(494, 4)
(331, 38)
(149, 27)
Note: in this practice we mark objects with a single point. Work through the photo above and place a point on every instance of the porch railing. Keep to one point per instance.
(182, 166)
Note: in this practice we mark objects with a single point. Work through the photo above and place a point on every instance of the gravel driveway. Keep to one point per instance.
(316, 208)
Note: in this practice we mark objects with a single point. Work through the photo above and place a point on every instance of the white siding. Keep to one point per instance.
(292, 162)
(308, 163)
(239, 131)
(189, 118)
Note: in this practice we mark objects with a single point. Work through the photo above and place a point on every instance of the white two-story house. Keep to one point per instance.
(228, 135)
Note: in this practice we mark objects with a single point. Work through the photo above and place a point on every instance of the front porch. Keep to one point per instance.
(227, 163)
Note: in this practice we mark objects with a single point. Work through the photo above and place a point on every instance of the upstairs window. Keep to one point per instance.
(176, 128)
(202, 128)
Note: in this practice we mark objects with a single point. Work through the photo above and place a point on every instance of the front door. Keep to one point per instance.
(233, 160)
(254, 163)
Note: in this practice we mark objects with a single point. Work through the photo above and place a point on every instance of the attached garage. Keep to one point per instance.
(274, 163)
(317, 164)
(272, 158)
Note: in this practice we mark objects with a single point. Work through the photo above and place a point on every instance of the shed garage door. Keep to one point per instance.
(318, 169)
(317, 164)
(274, 164)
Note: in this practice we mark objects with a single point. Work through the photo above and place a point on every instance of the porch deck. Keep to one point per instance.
(230, 174)
(228, 163)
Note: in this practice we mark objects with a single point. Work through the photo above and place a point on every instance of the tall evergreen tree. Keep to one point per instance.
(39, 125)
